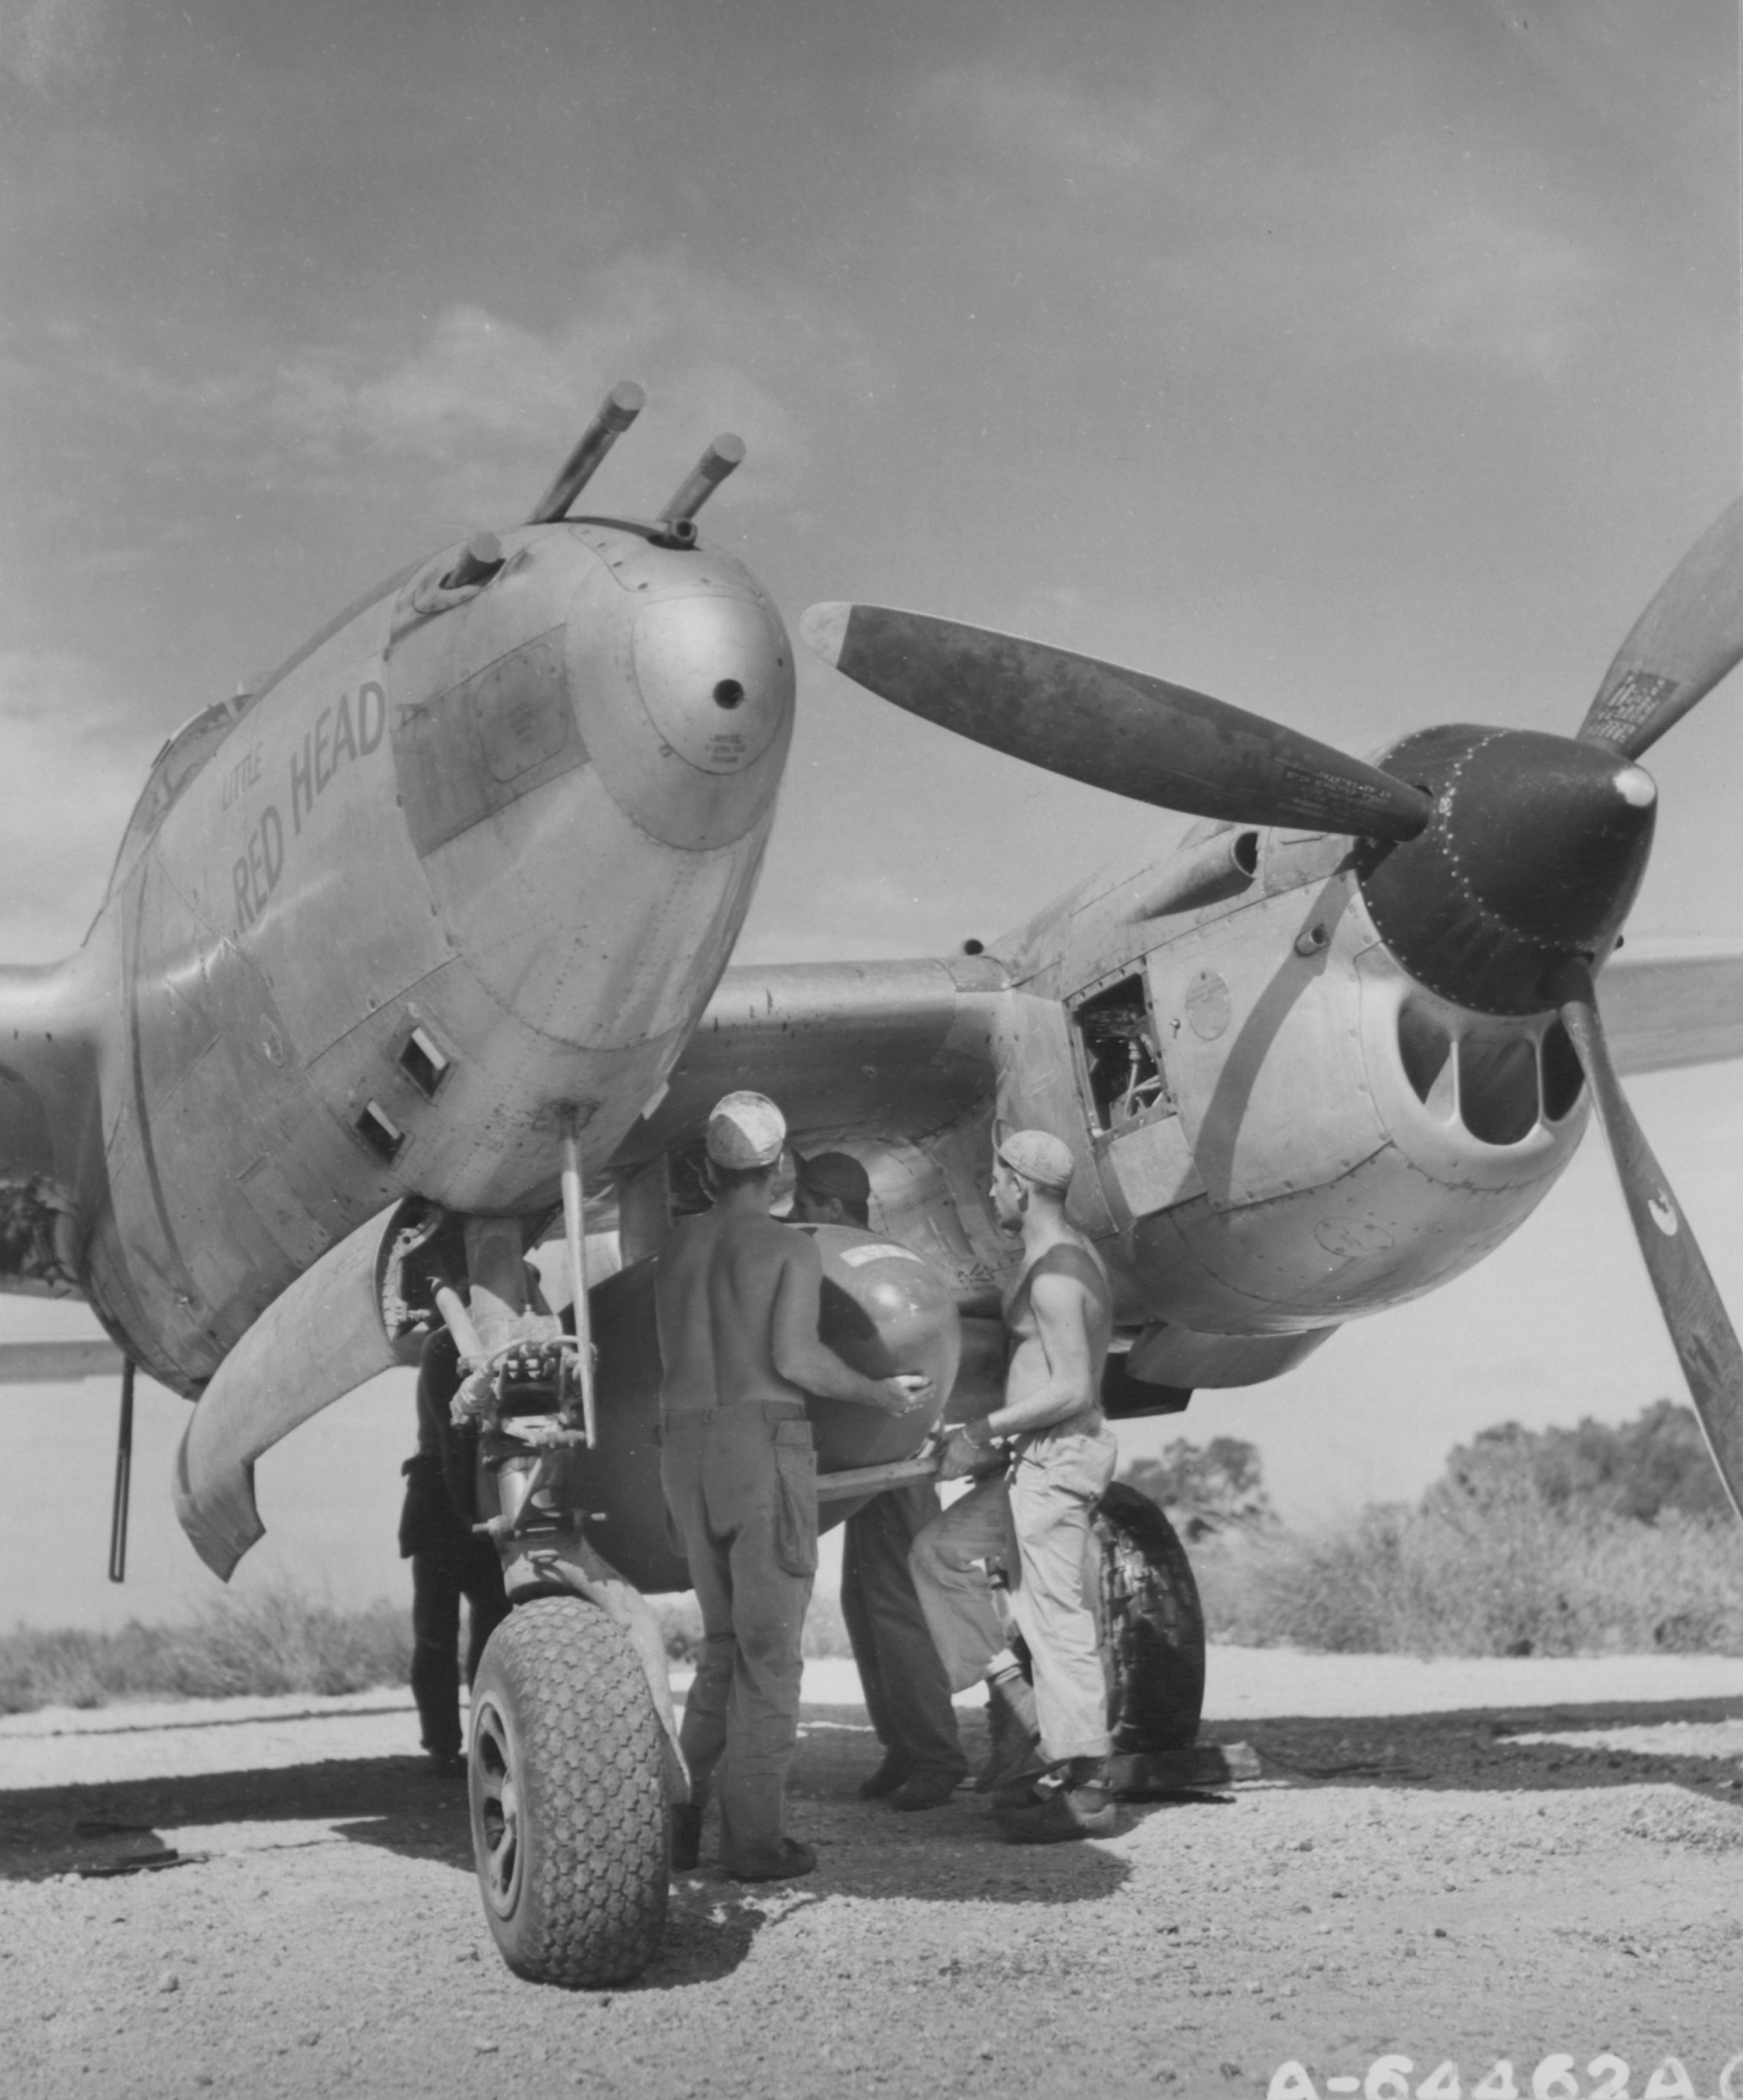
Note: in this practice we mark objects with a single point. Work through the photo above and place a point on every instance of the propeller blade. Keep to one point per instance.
(1700, 1330)
(1679, 648)
(1120, 730)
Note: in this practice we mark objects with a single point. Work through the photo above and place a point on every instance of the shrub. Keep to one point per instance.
(276, 1639)
(1510, 1575)
(1532, 1542)
(1205, 1491)
(1657, 1463)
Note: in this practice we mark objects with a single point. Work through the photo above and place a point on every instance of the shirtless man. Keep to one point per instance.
(1032, 1517)
(737, 1303)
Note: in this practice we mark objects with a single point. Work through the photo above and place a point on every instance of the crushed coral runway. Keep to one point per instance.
(1460, 1861)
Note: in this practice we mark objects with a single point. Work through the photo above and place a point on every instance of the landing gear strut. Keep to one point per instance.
(573, 1754)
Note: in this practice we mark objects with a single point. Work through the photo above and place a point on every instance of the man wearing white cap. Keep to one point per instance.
(737, 1301)
(1032, 1517)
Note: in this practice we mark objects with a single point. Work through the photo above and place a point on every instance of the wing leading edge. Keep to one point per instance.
(59, 1362)
(1673, 1007)
(900, 1049)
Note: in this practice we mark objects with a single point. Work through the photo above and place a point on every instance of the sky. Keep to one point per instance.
(1368, 365)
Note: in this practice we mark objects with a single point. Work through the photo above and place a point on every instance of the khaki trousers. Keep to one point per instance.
(741, 1484)
(1033, 1523)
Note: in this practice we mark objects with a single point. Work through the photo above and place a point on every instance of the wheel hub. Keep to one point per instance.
(498, 1812)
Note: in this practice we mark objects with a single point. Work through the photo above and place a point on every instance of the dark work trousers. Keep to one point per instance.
(471, 1568)
(906, 1693)
(741, 1483)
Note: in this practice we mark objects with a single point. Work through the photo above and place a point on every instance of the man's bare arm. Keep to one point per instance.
(1062, 1310)
(809, 1363)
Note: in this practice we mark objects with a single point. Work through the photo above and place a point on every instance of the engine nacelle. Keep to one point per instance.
(885, 1309)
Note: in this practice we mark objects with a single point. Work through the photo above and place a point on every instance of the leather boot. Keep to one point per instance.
(1069, 1800)
(886, 1779)
(1014, 1735)
(924, 1789)
(791, 1860)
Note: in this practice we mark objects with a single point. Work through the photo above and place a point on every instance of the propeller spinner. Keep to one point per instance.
(1535, 849)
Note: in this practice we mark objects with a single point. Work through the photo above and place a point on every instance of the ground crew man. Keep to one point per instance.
(736, 1301)
(448, 1561)
(1032, 1517)
(908, 1696)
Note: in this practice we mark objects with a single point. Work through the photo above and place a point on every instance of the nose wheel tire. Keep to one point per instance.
(566, 1785)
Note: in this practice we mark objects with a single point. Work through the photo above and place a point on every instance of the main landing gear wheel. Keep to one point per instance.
(1153, 1647)
(567, 1790)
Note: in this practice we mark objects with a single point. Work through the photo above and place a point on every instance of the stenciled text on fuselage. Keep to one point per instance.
(343, 731)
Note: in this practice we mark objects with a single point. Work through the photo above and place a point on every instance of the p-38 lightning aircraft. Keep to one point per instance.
(418, 948)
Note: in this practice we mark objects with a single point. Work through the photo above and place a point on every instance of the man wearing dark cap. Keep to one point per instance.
(737, 1301)
(1032, 1516)
(907, 1694)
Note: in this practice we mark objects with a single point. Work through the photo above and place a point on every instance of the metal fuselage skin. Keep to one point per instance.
(464, 872)
(1323, 1137)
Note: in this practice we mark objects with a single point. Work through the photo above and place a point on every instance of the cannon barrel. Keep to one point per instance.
(726, 452)
(617, 411)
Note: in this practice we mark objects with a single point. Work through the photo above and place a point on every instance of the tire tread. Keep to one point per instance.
(593, 1904)
(1154, 1626)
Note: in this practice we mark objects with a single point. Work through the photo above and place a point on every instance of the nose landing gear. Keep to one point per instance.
(572, 1753)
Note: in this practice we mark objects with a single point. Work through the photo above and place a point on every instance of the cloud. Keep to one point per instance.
(1348, 222)
(482, 401)
(75, 761)
(1478, 285)
(467, 423)
(1107, 137)
(44, 43)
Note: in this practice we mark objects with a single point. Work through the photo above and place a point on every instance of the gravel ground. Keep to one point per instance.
(1562, 1877)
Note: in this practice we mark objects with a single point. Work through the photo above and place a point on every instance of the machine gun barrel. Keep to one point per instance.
(480, 561)
(617, 411)
(726, 452)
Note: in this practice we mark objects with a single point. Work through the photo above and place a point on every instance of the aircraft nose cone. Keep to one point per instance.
(1534, 851)
(684, 679)
(714, 677)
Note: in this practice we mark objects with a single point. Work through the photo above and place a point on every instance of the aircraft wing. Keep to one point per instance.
(1665, 1008)
(846, 1049)
(50, 1363)
(901, 1049)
